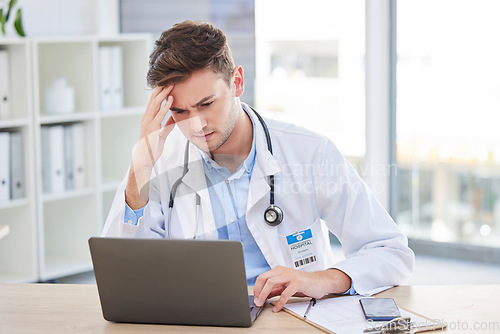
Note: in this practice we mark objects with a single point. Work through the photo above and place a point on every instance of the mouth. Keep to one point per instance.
(204, 137)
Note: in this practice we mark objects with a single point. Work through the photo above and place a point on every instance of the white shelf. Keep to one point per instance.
(17, 278)
(131, 111)
(68, 195)
(62, 267)
(125, 38)
(14, 123)
(110, 185)
(12, 41)
(66, 118)
(15, 203)
(49, 233)
(65, 40)
(18, 259)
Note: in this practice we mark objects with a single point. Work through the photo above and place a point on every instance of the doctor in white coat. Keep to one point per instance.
(211, 131)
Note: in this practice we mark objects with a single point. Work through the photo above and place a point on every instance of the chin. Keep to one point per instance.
(202, 145)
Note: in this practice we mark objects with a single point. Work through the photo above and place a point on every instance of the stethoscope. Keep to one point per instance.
(273, 215)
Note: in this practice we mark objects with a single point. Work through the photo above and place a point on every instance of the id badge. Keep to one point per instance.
(302, 248)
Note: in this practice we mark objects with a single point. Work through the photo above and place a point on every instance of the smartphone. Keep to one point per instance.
(379, 309)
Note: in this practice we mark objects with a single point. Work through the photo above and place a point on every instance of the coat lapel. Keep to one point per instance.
(196, 181)
(265, 165)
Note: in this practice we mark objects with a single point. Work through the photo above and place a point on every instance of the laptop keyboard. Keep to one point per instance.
(250, 302)
(254, 310)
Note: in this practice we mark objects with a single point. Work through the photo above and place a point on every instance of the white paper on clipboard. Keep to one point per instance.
(343, 315)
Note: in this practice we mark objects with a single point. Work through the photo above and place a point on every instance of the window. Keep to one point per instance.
(310, 67)
(448, 111)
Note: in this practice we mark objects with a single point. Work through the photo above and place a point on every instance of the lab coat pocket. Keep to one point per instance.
(301, 245)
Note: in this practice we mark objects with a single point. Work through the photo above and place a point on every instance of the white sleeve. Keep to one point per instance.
(116, 226)
(376, 250)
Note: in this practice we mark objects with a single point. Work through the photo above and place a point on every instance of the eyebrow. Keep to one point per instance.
(196, 105)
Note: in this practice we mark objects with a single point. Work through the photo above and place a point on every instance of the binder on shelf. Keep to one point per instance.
(69, 147)
(74, 150)
(116, 77)
(110, 77)
(105, 99)
(4, 166)
(79, 169)
(53, 165)
(4, 85)
(17, 184)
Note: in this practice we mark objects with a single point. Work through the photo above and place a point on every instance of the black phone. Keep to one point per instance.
(379, 309)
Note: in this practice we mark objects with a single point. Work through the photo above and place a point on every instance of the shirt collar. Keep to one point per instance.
(249, 161)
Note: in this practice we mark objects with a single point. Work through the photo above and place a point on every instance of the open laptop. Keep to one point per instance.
(185, 282)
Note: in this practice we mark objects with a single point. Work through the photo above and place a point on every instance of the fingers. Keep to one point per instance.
(269, 284)
(156, 91)
(155, 101)
(280, 283)
(259, 284)
(286, 282)
(164, 110)
(167, 128)
(285, 295)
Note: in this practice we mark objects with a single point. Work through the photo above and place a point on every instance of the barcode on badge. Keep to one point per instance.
(305, 261)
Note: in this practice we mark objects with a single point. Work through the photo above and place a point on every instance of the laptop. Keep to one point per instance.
(183, 282)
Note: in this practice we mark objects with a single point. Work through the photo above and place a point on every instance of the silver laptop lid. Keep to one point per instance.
(189, 282)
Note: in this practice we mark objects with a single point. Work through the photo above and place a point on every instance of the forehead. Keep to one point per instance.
(199, 85)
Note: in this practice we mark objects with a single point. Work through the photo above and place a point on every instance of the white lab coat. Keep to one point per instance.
(314, 186)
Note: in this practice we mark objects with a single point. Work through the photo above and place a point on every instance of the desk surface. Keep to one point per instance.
(60, 308)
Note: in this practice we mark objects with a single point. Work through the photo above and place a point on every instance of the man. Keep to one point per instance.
(219, 179)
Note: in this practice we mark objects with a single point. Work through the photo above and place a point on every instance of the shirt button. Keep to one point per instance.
(228, 181)
(232, 220)
(130, 222)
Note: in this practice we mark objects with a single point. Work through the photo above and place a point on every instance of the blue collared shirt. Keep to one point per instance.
(229, 196)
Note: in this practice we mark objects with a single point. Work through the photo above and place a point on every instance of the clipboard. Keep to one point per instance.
(343, 314)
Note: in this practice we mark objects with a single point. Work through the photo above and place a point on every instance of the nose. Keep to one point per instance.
(197, 123)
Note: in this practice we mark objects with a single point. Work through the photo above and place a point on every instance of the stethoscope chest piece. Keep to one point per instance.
(273, 215)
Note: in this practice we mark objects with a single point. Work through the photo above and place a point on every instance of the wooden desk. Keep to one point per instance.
(464, 308)
(60, 308)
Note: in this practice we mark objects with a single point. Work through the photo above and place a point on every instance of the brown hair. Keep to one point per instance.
(188, 47)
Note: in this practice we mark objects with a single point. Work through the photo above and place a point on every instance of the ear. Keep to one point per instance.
(238, 81)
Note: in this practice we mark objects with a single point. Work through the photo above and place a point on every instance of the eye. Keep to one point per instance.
(208, 104)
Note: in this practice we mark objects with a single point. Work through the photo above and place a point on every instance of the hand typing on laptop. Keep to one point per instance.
(286, 282)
